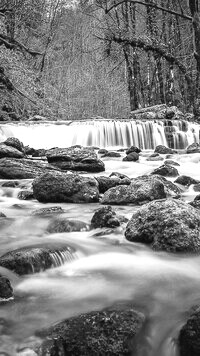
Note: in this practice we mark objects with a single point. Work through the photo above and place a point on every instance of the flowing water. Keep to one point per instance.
(103, 267)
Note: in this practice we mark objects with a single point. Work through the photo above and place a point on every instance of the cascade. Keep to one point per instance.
(148, 134)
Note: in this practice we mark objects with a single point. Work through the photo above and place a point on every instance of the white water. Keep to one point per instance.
(107, 269)
(143, 134)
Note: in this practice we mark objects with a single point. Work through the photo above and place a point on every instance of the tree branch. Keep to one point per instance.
(172, 12)
(141, 43)
(12, 43)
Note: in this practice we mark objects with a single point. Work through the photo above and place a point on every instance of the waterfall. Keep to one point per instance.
(148, 134)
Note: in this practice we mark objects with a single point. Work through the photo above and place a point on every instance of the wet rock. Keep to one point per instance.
(106, 183)
(171, 163)
(118, 175)
(189, 337)
(194, 148)
(76, 159)
(196, 187)
(2, 215)
(48, 211)
(106, 217)
(10, 184)
(185, 180)
(196, 202)
(8, 151)
(25, 195)
(14, 142)
(34, 259)
(166, 171)
(108, 332)
(29, 151)
(141, 190)
(39, 153)
(133, 149)
(157, 158)
(6, 290)
(102, 151)
(163, 150)
(66, 225)
(174, 113)
(58, 187)
(133, 156)
(112, 154)
(168, 225)
(11, 168)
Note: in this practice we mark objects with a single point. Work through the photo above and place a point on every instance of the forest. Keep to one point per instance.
(70, 60)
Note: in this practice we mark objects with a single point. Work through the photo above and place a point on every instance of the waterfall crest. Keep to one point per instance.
(148, 134)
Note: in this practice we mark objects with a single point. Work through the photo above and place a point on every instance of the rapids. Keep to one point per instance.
(106, 268)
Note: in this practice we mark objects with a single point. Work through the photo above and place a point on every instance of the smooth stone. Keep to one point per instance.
(171, 163)
(166, 225)
(194, 148)
(112, 154)
(102, 151)
(185, 180)
(8, 151)
(60, 187)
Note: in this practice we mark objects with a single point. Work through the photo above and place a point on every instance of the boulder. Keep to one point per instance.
(185, 180)
(108, 332)
(59, 187)
(12, 168)
(75, 158)
(106, 183)
(133, 149)
(33, 259)
(163, 150)
(39, 153)
(196, 202)
(106, 217)
(194, 148)
(6, 290)
(112, 154)
(133, 156)
(66, 225)
(196, 187)
(25, 195)
(14, 142)
(189, 337)
(102, 151)
(166, 171)
(10, 184)
(8, 151)
(171, 163)
(167, 225)
(141, 190)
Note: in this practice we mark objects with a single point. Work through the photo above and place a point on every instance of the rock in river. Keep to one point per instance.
(141, 190)
(100, 333)
(189, 337)
(12, 168)
(106, 217)
(8, 151)
(60, 187)
(166, 171)
(6, 290)
(169, 225)
(76, 159)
